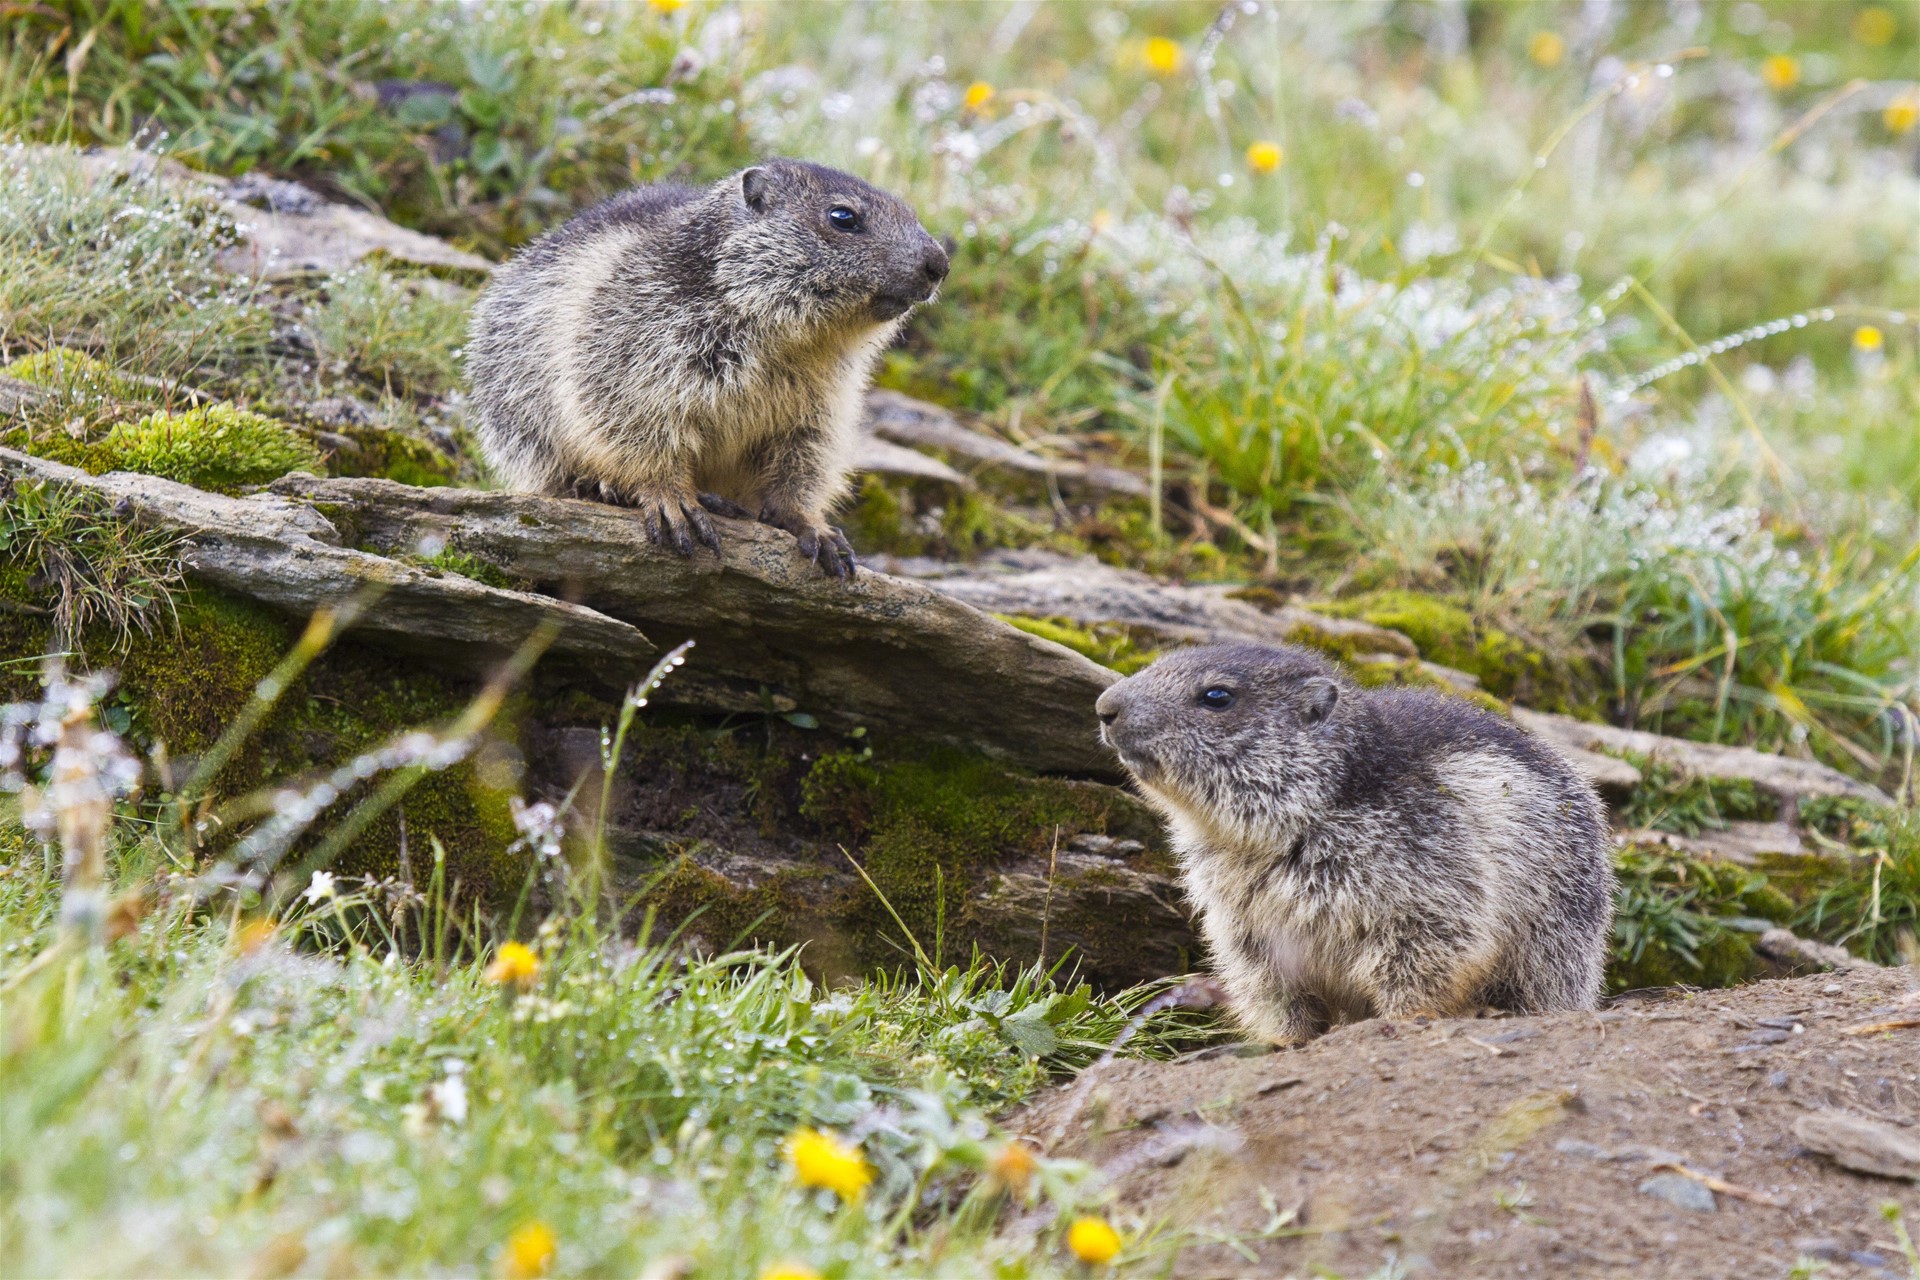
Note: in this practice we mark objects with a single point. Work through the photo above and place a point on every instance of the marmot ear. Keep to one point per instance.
(1318, 697)
(755, 183)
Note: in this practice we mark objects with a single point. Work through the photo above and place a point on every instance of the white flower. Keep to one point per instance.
(449, 1095)
(321, 889)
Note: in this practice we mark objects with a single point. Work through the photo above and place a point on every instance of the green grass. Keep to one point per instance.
(335, 1107)
(397, 336)
(1875, 907)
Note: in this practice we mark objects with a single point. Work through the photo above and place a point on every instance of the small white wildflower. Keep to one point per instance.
(320, 889)
(449, 1096)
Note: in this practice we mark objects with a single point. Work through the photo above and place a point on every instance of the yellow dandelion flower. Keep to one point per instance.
(1265, 157)
(789, 1271)
(514, 963)
(1093, 1241)
(1162, 56)
(664, 6)
(529, 1252)
(1875, 26)
(1013, 1165)
(1901, 114)
(1546, 48)
(978, 95)
(1781, 72)
(823, 1159)
(1868, 338)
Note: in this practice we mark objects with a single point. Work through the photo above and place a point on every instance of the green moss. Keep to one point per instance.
(453, 560)
(1407, 673)
(928, 518)
(1445, 633)
(63, 367)
(1109, 644)
(926, 829)
(393, 455)
(219, 446)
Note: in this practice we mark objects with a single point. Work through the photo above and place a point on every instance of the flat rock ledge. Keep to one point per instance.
(771, 631)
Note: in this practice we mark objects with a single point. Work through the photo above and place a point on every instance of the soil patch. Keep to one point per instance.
(1654, 1138)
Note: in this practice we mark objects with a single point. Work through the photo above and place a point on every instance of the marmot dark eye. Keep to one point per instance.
(1217, 699)
(843, 218)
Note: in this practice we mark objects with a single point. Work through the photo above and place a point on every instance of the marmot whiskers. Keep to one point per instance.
(1356, 853)
(676, 347)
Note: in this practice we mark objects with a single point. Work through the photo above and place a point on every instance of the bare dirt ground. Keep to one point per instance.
(1652, 1139)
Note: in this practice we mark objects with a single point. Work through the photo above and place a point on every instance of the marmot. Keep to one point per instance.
(1356, 852)
(674, 348)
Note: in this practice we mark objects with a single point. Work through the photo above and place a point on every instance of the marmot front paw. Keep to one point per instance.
(674, 520)
(820, 543)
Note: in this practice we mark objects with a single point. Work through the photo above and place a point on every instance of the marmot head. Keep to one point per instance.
(814, 243)
(1237, 735)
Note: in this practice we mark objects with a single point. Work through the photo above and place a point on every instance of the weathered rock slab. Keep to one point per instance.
(1783, 776)
(297, 232)
(1083, 589)
(879, 651)
(1863, 1145)
(286, 554)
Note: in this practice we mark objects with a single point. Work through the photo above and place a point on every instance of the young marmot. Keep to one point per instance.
(675, 348)
(1357, 853)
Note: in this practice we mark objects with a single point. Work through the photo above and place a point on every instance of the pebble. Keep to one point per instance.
(1681, 1192)
(1778, 1080)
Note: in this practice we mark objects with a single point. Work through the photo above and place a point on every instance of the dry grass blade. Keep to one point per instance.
(1721, 1185)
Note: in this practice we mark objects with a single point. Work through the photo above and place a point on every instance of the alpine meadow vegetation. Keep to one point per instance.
(1578, 343)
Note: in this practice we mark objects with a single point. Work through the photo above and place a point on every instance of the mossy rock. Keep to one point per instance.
(1113, 645)
(219, 447)
(1726, 959)
(1383, 672)
(927, 829)
(1448, 634)
(1688, 921)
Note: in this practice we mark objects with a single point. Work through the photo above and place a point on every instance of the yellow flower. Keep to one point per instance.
(1013, 1165)
(979, 94)
(789, 1271)
(529, 1252)
(1901, 114)
(1101, 220)
(1546, 48)
(1868, 338)
(254, 934)
(1093, 1241)
(1875, 26)
(1781, 72)
(664, 6)
(822, 1159)
(514, 963)
(1265, 157)
(1162, 56)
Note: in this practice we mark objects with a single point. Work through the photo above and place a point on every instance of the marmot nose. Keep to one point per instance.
(934, 264)
(1108, 705)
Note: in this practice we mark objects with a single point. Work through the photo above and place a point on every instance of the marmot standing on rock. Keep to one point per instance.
(1357, 853)
(674, 348)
